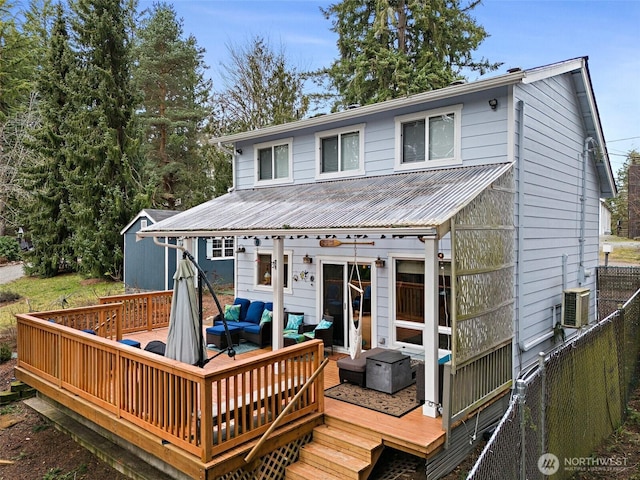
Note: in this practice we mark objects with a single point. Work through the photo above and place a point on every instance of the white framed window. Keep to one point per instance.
(220, 248)
(408, 281)
(264, 270)
(428, 139)
(144, 223)
(273, 162)
(340, 152)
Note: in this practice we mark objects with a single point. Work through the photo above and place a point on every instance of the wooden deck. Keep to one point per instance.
(413, 433)
(200, 421)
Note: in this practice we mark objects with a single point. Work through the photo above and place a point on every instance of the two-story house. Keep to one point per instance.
(464, 214)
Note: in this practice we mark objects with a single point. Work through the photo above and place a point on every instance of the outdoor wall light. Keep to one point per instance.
(240, 249)
(239, 151)
(493, 103)
(307, 259)
(379, 262)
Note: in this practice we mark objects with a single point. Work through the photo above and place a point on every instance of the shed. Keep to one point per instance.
(149, 267)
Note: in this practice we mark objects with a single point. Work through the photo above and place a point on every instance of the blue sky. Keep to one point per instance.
(523, 33)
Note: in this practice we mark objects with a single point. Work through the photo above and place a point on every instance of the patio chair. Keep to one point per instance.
(293, 328)
(156, 346)
(323, 331)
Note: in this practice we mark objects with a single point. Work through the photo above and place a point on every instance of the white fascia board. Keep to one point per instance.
(142, 213)
(542, 73)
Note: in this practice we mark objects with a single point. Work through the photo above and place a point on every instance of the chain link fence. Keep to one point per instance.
(568, 404)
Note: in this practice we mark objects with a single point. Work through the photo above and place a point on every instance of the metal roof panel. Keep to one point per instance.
(408, 200)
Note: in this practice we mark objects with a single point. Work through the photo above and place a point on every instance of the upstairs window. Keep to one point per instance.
(273, 161)
(428, 139)
(340, 152)
(220, 248)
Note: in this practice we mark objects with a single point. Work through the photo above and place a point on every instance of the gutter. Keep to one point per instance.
(429, 232)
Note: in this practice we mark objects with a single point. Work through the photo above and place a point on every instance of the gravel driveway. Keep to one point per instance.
(11, 272)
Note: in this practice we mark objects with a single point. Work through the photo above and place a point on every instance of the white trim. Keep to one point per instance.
(360, 129)
(541, 73)
(426, 115)
(393, 323)
(256, 162)
(209, 248)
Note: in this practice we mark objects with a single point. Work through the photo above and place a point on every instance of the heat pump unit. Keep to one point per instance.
(575, 307)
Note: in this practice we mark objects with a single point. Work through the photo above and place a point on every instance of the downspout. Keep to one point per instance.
(520, 268)
(583, 201)
(233, 165)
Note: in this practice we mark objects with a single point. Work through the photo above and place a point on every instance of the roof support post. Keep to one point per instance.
(430, 337)
(277, 280)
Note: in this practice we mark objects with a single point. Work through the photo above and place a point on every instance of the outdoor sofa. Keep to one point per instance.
(249, 319)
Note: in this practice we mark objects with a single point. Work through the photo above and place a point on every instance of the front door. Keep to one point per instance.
(335, 299)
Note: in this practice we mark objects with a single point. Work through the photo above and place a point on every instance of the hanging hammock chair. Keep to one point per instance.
(355, 325)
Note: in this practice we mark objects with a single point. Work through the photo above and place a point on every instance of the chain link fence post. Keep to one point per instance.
(521, 387)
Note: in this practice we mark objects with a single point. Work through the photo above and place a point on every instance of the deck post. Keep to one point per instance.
(206, 419)
(277, 277)
(431, 404)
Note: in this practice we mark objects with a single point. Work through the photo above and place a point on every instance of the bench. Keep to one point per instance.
(355, 370)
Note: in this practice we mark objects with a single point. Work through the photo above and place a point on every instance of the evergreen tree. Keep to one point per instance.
(103, 143)
(48, 212)
(18, 64)
(169, 77)
(392, 48)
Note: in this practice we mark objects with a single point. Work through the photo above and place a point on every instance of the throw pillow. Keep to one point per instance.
(324, 324)
(294, 322)
(267, 316)
(232, 313)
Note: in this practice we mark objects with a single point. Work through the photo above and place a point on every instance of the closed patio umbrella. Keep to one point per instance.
(185, 341)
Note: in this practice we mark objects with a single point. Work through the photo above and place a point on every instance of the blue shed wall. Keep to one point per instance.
(144, 262)
(148, 266)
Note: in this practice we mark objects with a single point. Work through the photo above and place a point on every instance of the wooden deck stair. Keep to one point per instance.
(335, 453)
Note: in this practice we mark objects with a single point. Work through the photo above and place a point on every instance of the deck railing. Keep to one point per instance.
(104, 320)
(204, 412)
(143, 311)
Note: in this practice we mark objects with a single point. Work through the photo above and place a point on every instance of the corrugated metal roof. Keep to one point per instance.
(416, 200)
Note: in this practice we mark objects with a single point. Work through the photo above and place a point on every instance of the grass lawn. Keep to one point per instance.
(63, 291)
(625, 251)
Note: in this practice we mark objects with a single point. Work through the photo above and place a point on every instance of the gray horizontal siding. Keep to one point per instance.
(553, 144)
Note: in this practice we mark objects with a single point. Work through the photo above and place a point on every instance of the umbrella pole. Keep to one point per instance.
(201, 335)
(231, 352)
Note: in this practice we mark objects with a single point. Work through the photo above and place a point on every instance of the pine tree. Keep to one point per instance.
(170, 79)
(17, 68)
(392, 48)
(103, 143)
(48, 211)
